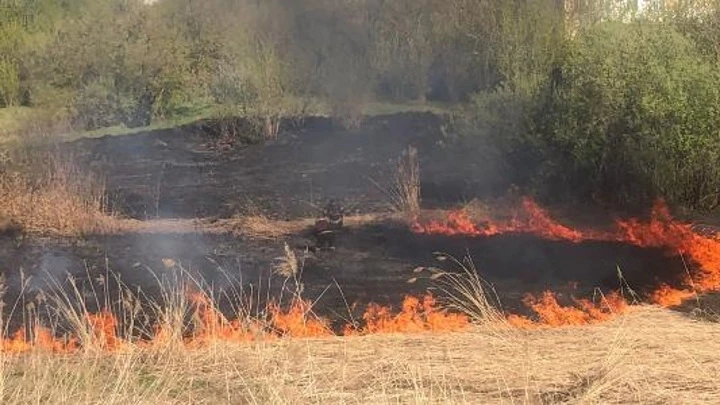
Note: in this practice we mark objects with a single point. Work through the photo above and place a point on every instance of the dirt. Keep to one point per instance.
(187, 173)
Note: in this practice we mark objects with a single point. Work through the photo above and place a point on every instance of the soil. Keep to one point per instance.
(187, 173)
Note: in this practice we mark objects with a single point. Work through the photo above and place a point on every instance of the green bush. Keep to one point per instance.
(9, 84)
(499, 123)
(636, 117)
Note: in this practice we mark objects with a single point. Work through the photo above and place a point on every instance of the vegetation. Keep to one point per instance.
(627, 361)
(59, 199)
(594, 100)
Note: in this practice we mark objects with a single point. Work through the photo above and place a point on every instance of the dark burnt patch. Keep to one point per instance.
(183, 173)
(371, 263)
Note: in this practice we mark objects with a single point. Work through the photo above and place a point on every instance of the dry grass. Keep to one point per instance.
(287, 265)
(349, 113)
(59, 199)
(647, 356)
(467, 292)
(256, 225)
(259, 226)
(404, 189)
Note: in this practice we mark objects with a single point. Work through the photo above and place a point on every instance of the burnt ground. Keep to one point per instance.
(183, 173)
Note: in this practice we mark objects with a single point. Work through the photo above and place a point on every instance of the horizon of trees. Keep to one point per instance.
(601, 98)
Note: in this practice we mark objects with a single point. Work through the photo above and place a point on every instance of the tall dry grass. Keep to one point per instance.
(403, 192)
(465, 290)
(55, 197)
(649, 356)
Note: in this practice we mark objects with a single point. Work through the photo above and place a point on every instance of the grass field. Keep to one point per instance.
(649, 355)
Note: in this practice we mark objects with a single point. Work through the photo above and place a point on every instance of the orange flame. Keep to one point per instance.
(664, 231)
(415, 316)
(214, 326)
(419, 315)
(667, 296)
(661, 231)
(551, 313)
(103, 326)
(44, 340)
(298, 321)
(533, 219)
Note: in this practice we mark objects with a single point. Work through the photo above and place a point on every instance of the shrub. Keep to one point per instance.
(635, 117)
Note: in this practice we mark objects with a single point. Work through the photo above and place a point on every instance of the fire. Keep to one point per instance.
(532, 219)
(661, 231)
(212, 325)
(297, 321)
(43, 340)
(551, 313)
(667, 296)
(416, 316)
(458, 223)
(422, 314)
(103, 327)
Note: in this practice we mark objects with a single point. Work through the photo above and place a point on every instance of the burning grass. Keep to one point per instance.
(650, 356)
(199, 353)
(188, 315)
(660, 231)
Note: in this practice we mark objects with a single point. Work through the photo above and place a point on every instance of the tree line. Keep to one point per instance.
(599, 99)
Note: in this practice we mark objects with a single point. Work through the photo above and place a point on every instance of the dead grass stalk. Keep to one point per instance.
(58, 199)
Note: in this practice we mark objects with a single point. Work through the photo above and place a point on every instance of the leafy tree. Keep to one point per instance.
(636, 118)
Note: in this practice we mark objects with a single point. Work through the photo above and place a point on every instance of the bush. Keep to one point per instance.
(498, 122)
(636, 117)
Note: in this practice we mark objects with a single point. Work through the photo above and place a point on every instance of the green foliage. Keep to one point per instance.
(528, 41)
(500, 121)
(9, 84)
(637, 118)
(635, 115)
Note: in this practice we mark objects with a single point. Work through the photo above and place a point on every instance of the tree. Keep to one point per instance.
(636, 118)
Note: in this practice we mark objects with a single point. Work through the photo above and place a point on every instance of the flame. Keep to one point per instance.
(532, 219)
(667, 296)
(551, 313)
(44, 340)
(103, 327)
(422, 314)
(458, 223)
(298, 321)
(661, 231)
(664, 231)
(16, 343)
(416, 316)
(212, 325)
